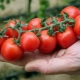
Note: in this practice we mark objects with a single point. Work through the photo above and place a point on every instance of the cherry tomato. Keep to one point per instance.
(2, 39)
(24, 27)
(66, 38)
(72, 11)
(11, 51)
(12, 33)
(34, 23)
(29, 41)
(47, 43)
(77, 25)
(55, 28)
(50, 23)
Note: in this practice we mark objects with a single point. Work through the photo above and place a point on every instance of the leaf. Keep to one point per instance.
(2, 6)
(7, 1)
(1, 1)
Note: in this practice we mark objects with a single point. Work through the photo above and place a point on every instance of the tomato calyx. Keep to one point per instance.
(43, 21)
(51, 32)
(19, 23)
(66, 22)
(61, 26)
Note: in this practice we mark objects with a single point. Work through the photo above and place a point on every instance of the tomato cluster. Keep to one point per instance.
(17, 38)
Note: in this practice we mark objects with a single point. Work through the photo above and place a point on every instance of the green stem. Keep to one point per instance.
(61, 28)
(4, 30)
(29, 7)
(17, 41)
(46, 27)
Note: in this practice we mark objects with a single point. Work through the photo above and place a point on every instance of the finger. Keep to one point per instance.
(52, 66)
(39, 65)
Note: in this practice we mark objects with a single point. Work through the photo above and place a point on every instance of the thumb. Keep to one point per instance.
(39, 65)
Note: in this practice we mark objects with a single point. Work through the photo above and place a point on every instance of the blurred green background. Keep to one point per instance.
(30, 9)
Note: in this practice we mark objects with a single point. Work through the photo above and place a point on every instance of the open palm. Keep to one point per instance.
(61, 61)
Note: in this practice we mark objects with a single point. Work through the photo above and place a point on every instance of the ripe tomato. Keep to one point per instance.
(66, 38)
(29, 41)
(72, 11)
(47, 43)
(11, 51)
(34, 23)
(50, 23)
(2, 39)
(10, 32)
(77, 25)
(24, 27)
(55, 28)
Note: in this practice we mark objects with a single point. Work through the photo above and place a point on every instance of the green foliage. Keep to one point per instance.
(1, 1)
(8, 1)
(2, 6)
(69, 2)
(44, 4)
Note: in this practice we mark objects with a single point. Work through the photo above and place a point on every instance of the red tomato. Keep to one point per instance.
(72, 11)
(66, 38)
(2, 41)
(50, 23)
(55, 28)
(34, 23)
(29, 41)
(47, 43)
(77, 25)
(24, 27)
(11, 51)
(12, 33)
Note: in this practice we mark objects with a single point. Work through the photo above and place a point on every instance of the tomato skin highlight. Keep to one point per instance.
(34, 23)
(72, 11)
(47, 43)
(77, 25)
(13, 33)
(66, 38)
(10, 32)
(11, 51)
(29, 41)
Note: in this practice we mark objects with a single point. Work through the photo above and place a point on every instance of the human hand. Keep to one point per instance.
(61, 61)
